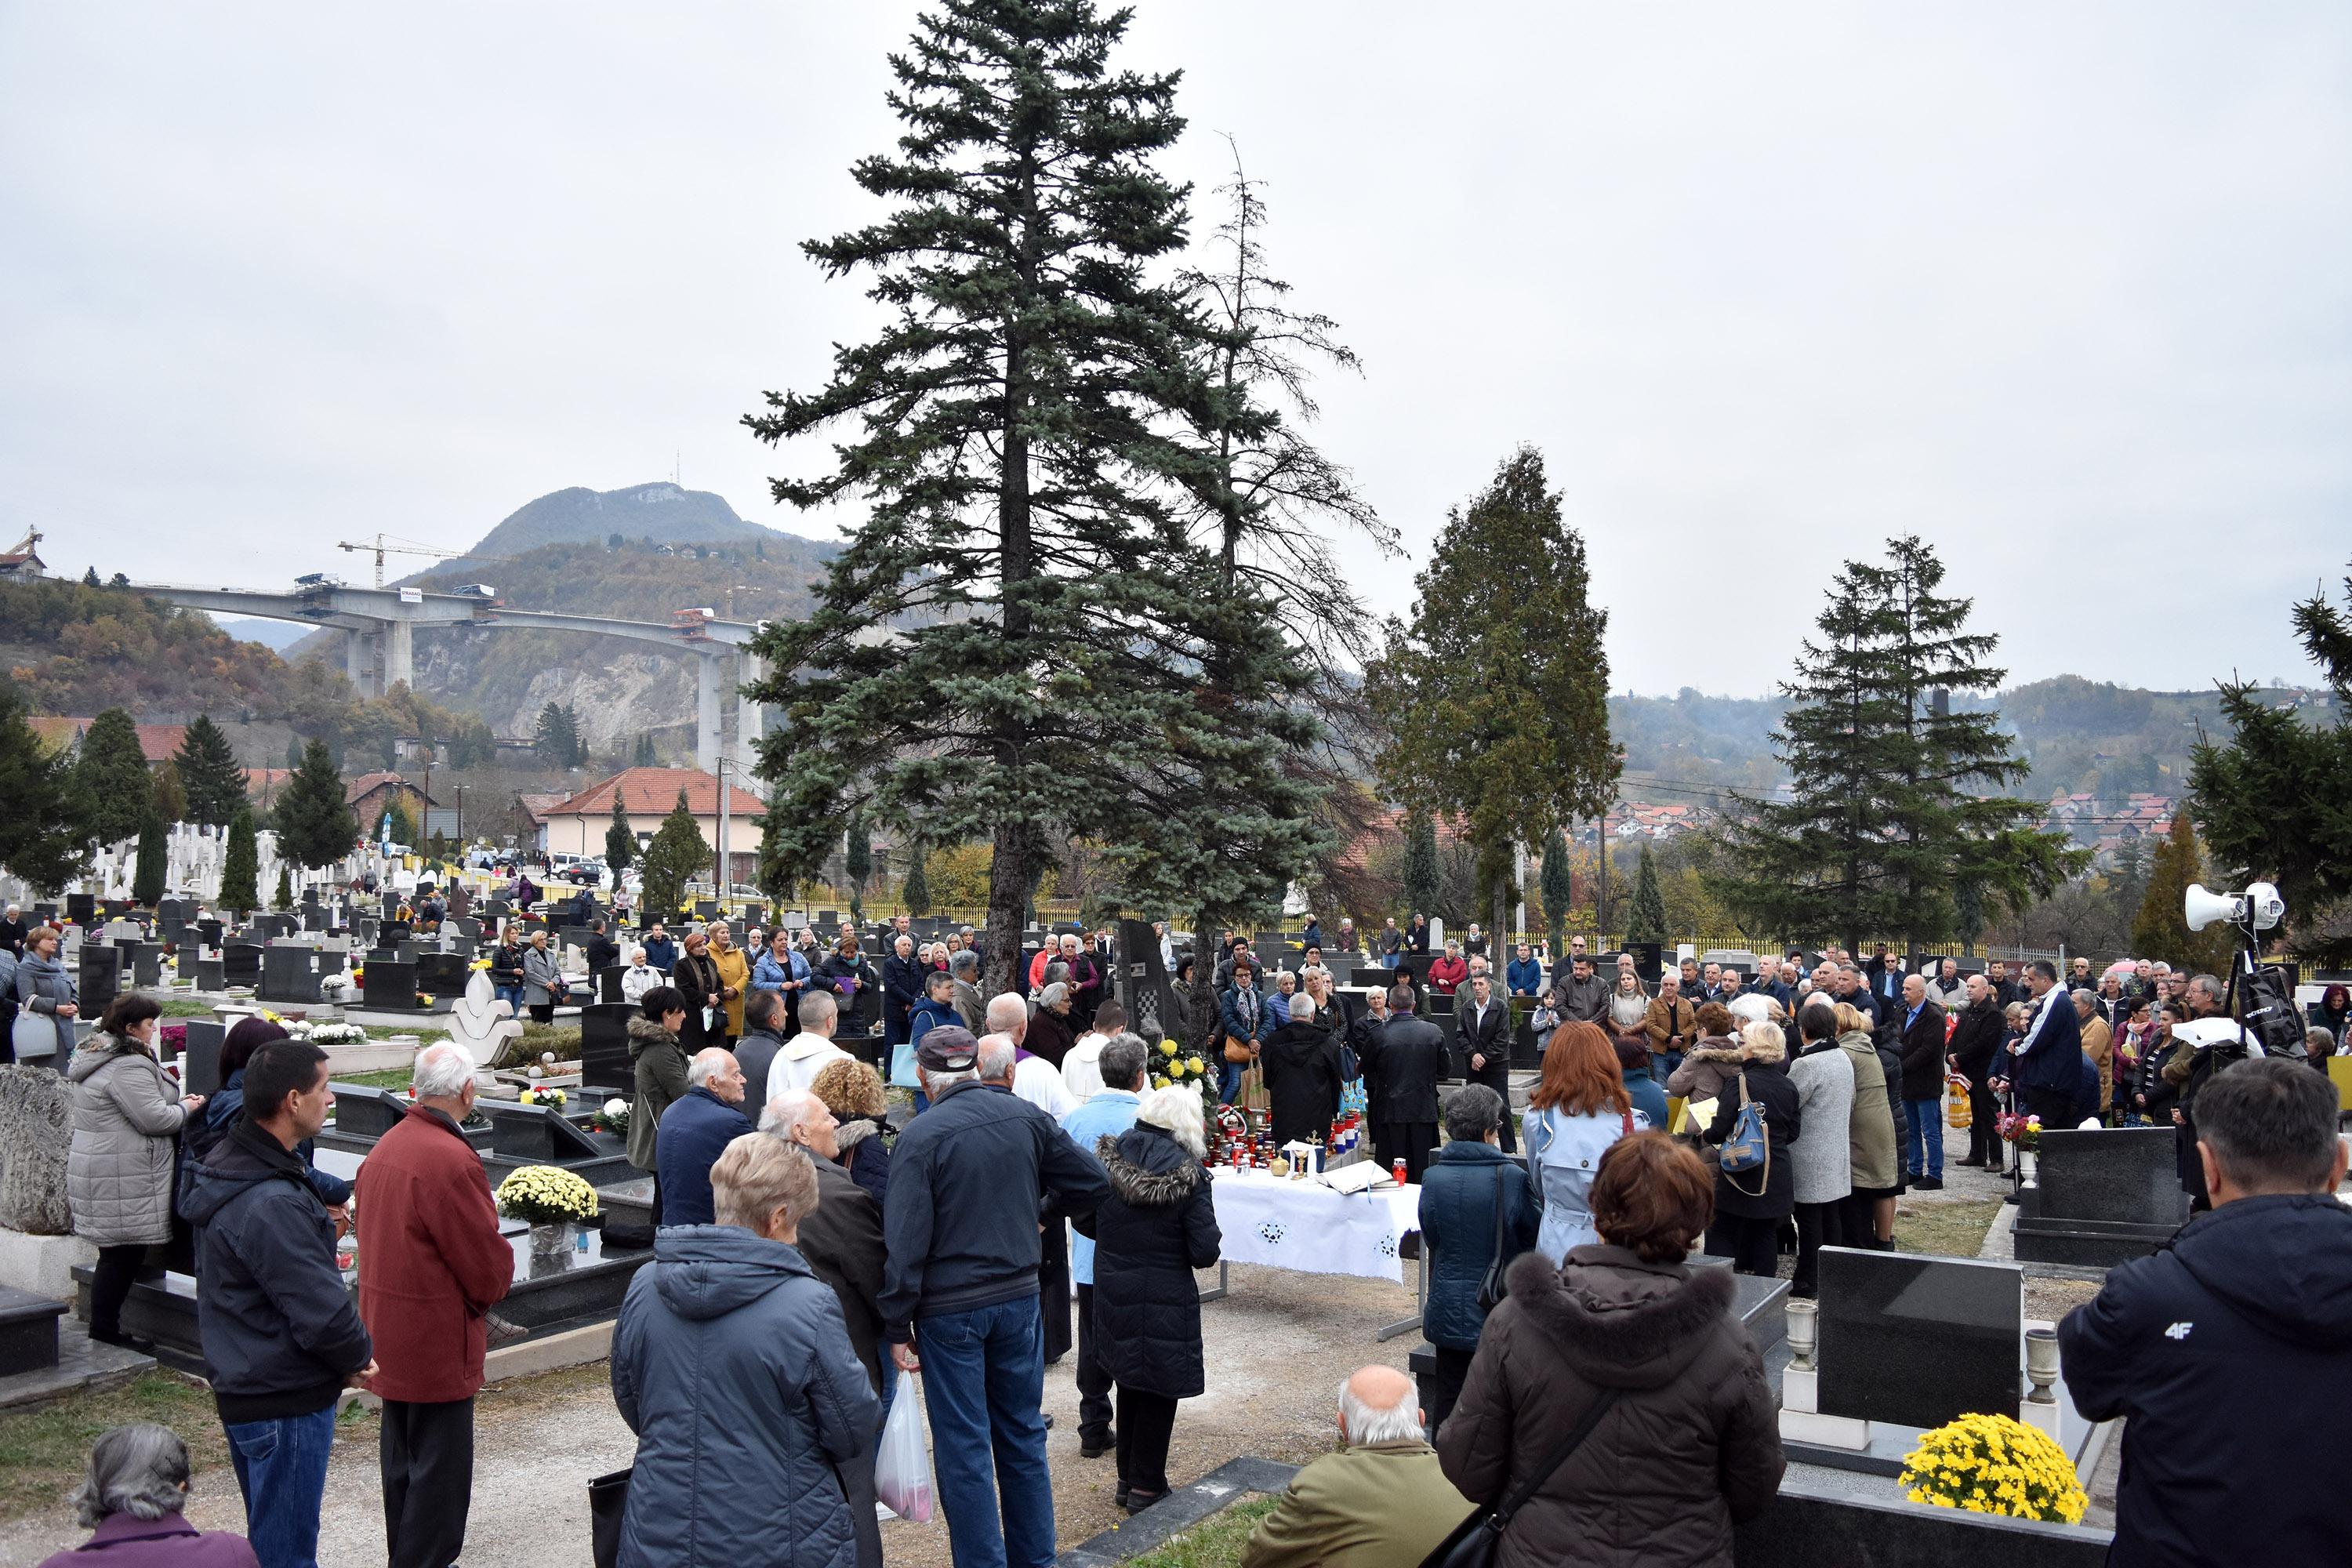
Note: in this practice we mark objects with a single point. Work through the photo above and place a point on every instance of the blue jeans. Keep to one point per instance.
(281, 1470)
(984, 1375)
(1923, 1142)
(512, 993)
(1229, 1079)
(1387, 961)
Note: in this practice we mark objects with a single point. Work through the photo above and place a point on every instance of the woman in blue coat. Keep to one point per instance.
(731, 1365)
(1460, 1190)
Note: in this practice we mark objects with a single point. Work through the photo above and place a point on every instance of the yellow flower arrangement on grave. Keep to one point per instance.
(1991, 1464)
(1177, 1070)
(546, 1195)
(554, 1097)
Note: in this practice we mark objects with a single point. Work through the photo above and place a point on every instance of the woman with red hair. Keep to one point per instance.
(1579, 1109)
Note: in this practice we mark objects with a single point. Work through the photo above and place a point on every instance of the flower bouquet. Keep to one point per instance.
(1176, 1070)
(337, 1034)
(612, 1117)
(553, 1200)
(2025, 1131)
(554, 1097)
(1991, 1464)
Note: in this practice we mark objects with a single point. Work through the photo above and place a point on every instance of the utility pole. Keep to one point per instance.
(1600, 902)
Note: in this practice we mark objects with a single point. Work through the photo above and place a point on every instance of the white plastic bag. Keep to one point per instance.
(902, 1470)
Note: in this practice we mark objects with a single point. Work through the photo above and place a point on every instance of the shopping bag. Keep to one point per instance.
(1956, 1110)
(902, 1470)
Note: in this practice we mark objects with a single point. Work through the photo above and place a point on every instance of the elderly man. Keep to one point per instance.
(902, 989)
(695, 1131)
(968, 1182)
(799, 1060)
(1712, 978)
(1107, 1113)
(1974, 1049)
(1921, 1043)
(965, 967)
(842, 1239)
(1380, 1501)
(436, 1265)
(1672, 1024)
(1033, 1078)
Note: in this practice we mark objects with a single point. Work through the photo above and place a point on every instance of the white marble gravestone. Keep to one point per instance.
(482, 1021)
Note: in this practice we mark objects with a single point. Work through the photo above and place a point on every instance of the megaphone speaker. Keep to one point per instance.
(2202, 908)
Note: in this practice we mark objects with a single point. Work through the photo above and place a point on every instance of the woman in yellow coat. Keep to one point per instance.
(734, 974)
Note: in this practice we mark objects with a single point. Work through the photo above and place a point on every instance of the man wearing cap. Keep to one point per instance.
(969, 1184)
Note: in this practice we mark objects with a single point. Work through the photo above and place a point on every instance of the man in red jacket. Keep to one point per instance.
(436, 1265)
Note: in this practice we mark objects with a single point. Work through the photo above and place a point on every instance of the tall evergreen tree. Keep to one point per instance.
(620, 839)
(1558, 887)
(2160, 929)
(2275, 803)
(556, 736)
(209, 774)
(1420, 864)
(1016, 440)
(676, 856)
(316, 826)
(240, 892)
(167, 797)
(293, 752)
(147, 875)
(110, 773)
(916, 895)
(44, 839)
(1645, 920)
(285, 897)
(1882, 827)
(1497, 692)
(644, 755)
(857, 863)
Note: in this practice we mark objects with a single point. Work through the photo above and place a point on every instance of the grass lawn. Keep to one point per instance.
(181, 1006)
(389, 1078)
(1949, 1230)
(42, 1451)
(1215, 1543)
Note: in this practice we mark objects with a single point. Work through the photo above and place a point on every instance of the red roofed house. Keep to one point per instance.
(24, 563)
(576, 827)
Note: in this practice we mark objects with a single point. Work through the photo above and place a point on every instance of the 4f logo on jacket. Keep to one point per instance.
(2179, 1332)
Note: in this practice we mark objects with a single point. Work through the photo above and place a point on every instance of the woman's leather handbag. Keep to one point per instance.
(1474, 1541)
(1237, 1050)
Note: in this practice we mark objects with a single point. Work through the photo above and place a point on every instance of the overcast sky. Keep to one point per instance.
(2067, 289)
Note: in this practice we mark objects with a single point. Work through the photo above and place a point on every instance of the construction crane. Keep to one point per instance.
(386, 545)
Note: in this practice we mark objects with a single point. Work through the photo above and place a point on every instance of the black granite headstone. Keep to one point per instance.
(289, 973)
(200, 1056)
(608, 984)
(442, 973)
(1918, 1341)
(148, 964)
(1142, 984)
(365, 1113)
(212, 932)
(388, 984)
(241, 964)
(212, 974)
(2105, 1196)
(604, 1046)
(102, 977)
(81, 908)
(536, 1133)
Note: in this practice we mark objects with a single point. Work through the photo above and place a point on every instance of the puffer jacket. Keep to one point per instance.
(731, 1365)
(1872, 1141)
(1706, 1067)
(1155, 1227)
(1458, 1192)
(42, 985)
(660, 1082)
(126, 1118)
(1690, 1447)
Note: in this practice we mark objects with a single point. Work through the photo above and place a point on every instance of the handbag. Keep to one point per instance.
(34, 1036)
(1749, 1146)
(1473, 1543)
(608, 1500)
(1237, 1050)
(1495, 1288)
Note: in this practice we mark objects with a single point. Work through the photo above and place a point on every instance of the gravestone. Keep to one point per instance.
(2105, 1196)
(442, 973)
(1918, 1341)
(241, 964)
(482, 1021)
(604, 1059)
(148, 964)
(212, 931)
(173, 911)
(388, 984)
(1142, 984)
(200, 1056)
(36, 1130)
(289, 974)
(212, 974)
(536, 1133)
(102, 978)
(81, 908)
(608, 984)
(365, 1113)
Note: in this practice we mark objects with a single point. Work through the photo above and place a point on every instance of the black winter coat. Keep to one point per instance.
(1404, 1063)
(1768, 1086)
(1301, 1063)
(1492, 1039)
(1976, 1038)
(2239, 1328)
(1922, 1049)
(1157, 1226)
(1458, 1191)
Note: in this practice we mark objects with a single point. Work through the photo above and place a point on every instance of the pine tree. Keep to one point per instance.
(167, 797)
(675, 857)
(620, 839)
(293, 752)
(147, 875)
(1646, 919)
(2160, 929)
(209, 773)
(110, 774)
(1016, 436)
(777, 876)
(2276, 802)
(857, 863)
(44, 839)
(1420, 864)
(1498, 691)
(240, 891)
(316, 826)
(89, 577)
(643, 756)
(556, 737)
(916, 895)
(1558, 887)
(1882, 828)
(285, 899)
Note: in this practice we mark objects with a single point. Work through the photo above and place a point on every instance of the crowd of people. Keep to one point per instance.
(810, 1256)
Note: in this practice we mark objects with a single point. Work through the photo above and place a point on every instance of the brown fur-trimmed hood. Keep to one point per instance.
(1715, 1049)
(1147, 1169)
(853, 1133)
(1617, 1321)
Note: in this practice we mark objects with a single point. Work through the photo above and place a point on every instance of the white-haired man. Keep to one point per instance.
(436, 1265)
(695, 1131)
(806, 1054)
(1380, 1500)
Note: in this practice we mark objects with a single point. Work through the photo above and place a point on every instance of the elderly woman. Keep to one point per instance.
(1051, 1030)
(1447, 973)
(902, 989)
(1278, 1000)
(696, 978)
(1157, 1226)
(1465, 1184)
(1824, 1177)
(639, 977)
(542, 979)
(1628, 1344)
(853, 1092)
(119, 1173)
(1751, 1207)
(732, 1365)
(45, 996)
(132, 1499)
(734, 978)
